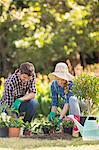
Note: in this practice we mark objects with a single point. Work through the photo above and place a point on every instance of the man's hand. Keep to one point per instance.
(51, 116)
(16, 104)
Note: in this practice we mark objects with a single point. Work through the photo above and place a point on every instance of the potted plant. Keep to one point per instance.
(67, 125)
(11, 124)
(53, 126)
(14, 126)
(4, 120)
(28, 129)
(41, 124)
(86, 87)
(46, 127)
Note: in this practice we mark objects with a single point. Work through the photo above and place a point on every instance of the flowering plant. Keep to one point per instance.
(4, 119)
(15, 122)
(8, 121)
(67, 122)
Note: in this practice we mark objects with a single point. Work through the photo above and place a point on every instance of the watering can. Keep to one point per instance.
(90, 130)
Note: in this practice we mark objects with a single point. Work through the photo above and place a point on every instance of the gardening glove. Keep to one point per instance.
(51, 116)
(58, 123)
(16, 104)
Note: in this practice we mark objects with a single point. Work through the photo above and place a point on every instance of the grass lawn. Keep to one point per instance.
(43, 144)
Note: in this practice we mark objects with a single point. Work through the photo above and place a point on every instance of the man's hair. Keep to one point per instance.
(27, 68)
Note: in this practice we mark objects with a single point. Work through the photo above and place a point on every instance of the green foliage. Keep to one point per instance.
(27, 126)
(43, 94)
(15, 122)
(4, 120)
(67, 122)
(2, 80)
(38, 123)
(45, 32)
(87, 87)
(42, 122)
(3, 107)
(10, 121)
(54, 124)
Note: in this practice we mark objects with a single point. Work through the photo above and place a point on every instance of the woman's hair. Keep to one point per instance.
(65, 84)
(27, 68)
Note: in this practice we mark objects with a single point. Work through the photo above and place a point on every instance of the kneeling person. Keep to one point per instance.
(19, 92)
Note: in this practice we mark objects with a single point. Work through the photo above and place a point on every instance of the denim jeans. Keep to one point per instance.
(76, 106)
(29, 108)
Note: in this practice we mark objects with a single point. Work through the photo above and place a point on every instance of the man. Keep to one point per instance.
(19, 92)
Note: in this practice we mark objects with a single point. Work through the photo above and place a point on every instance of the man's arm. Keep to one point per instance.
(8, 94)
(32, 90)
(28, 96)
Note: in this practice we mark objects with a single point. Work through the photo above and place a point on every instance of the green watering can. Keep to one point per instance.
(90, 130)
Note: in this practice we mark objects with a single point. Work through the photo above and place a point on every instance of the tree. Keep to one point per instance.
(45, 32)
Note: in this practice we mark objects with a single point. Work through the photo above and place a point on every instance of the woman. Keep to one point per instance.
(62, 82)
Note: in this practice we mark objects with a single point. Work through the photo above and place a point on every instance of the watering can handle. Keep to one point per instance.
(87, 118)
(90, 116)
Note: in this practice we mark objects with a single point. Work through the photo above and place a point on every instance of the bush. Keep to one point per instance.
(86, 87)
(2, 81)
(43, 94)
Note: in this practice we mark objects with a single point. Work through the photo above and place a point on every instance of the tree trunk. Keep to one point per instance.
(75, 65)
(83, 60)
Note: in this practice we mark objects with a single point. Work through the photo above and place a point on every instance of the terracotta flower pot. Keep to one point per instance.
(14, 132)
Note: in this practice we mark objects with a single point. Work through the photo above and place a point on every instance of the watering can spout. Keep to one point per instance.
(80, 127)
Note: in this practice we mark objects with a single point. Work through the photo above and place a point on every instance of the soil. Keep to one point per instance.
(54, 136)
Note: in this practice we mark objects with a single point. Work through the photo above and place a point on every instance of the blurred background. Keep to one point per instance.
(45, 32)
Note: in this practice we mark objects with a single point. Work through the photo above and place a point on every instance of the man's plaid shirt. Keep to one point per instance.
(15, 88)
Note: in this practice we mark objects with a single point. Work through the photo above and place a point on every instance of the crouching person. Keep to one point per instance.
(19, 92)
(62, 82)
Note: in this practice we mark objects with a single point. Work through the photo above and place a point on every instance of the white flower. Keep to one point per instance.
(8, 118)
(3, 116)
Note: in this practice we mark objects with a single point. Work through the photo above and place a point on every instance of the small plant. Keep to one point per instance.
(38, 124)
(67, 122)
(54, 123)
(15, 122)
(3, 107)
(27, 126)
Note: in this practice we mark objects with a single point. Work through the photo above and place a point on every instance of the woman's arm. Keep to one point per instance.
(54, 96)
(66, 97)
(64, 110)
(54, 109)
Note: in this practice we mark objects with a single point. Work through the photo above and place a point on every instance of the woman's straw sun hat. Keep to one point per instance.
(61, 71)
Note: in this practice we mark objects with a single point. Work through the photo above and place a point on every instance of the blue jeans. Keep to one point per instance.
(76, 106)
(29, 108)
